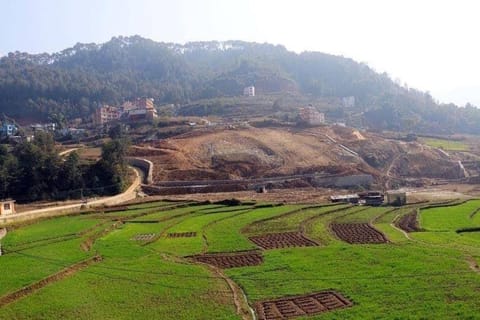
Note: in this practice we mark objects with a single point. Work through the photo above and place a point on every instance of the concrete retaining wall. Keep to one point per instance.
(145, 165)
(344, 181)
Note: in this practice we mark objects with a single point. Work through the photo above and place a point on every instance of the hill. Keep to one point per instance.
(252, 153)
(77, 80)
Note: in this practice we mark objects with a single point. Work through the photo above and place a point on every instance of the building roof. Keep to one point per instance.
(344, 197)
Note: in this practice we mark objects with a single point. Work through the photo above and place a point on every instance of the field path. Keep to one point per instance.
(239, 298)
(402, 231)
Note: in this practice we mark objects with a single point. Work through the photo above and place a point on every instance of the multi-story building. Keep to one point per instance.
(311, 116)
(106, 114)
(140, 109)
(249, 91)
(7, 130)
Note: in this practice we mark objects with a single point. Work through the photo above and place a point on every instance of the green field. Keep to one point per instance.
(450, 145)
(427, 275)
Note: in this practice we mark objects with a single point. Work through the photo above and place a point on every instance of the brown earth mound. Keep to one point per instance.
(305, 305)
(243, 153)
(231, 260)
(282, 240)
(358, 233)
(409, 222)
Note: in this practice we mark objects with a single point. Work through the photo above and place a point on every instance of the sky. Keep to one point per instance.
(429, 45)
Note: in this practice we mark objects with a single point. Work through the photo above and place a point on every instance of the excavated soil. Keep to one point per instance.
(282, 240)
(358, 233)
(305, 305)
(144, 237)
(409, 222)
(182, 235)
(233, 260)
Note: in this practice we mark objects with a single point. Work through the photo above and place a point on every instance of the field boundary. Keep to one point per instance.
(28, 290)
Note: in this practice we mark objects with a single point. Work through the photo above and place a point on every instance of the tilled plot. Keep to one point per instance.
(358, 233)
(311, 304)
(182, 235)
(224, 261)
(409, 222)
(144, 237)
(282, 240)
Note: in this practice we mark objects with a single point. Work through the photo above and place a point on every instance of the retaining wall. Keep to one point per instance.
(145, 165)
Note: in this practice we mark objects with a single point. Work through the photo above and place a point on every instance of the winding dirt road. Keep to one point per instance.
(128, 195)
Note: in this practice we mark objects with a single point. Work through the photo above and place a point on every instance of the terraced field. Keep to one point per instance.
(212, 261)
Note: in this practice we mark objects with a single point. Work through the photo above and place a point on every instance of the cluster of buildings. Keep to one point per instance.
(136, 110)
(373, 198)
(8, 129)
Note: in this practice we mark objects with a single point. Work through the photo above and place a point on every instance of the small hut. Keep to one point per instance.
(7, 206)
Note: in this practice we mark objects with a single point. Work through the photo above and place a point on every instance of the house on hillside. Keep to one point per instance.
(7, 207)
(140, 109)
(310, 116)
(371, 198)
(106, 114)
(249, 91)
(8, 129)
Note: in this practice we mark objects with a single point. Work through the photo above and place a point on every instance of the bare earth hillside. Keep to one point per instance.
(254, 153)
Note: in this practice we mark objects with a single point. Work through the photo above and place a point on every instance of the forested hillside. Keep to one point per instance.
(75, 81)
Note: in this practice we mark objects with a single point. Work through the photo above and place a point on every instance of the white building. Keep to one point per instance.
(249, 91)
(7, 207)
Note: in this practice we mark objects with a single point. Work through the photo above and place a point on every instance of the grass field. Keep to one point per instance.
(450, 145)
(427, 275)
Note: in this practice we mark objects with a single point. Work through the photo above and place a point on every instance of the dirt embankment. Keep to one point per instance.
(265, 152)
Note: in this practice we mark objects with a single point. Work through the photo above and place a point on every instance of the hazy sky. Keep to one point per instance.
(430, 45)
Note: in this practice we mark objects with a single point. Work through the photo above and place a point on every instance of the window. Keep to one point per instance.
(6, 206)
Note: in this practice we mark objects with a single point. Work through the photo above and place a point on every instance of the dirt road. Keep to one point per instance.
(128, 195)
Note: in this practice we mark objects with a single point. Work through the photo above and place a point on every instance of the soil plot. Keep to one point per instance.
(358, 233)
(144, 237)
(409, 222)
(182, 235)
(311, 304)
(233, 260)
(282, 240)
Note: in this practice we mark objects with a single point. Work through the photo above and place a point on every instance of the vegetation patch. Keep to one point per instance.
(9, 298)
(451, 145)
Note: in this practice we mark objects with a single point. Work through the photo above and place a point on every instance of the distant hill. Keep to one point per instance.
(77, 80)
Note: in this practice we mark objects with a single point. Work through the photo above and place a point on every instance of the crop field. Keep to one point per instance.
(449, 145)
(187, 260)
